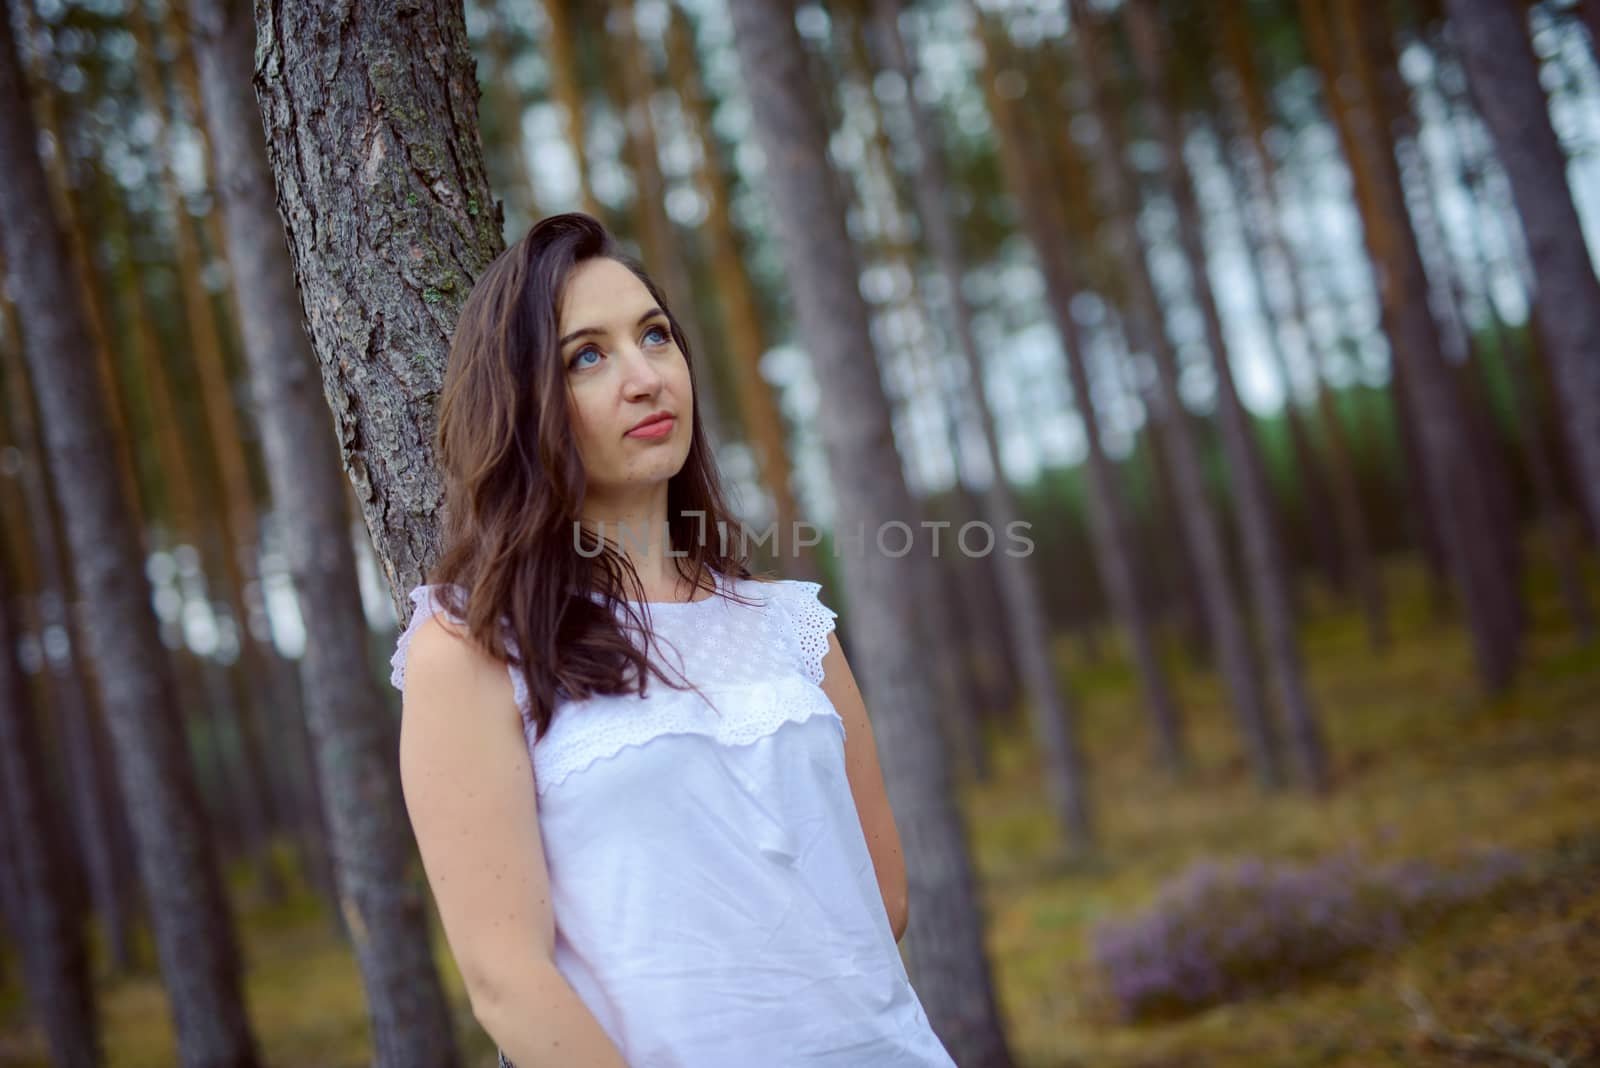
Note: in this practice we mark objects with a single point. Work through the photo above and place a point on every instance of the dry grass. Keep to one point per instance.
(1424, 768)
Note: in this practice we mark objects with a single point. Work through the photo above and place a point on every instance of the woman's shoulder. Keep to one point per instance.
(435, 635)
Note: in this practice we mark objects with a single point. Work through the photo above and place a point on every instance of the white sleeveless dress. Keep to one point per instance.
(714, 900)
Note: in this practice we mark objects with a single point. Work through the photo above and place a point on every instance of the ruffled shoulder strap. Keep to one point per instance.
(810, 622)
(427, 604)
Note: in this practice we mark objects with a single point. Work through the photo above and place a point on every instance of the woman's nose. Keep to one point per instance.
(641, 377)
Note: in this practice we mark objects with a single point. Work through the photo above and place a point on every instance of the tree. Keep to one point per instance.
(381, 289)
(945, 945)
(1462, 507)
(1245, 99)
(1107, 520)
(1265, 563)
(190, 912)
(49, 928)
(349, 718)
(735, 291)
(1493, 39)
(1118, 194)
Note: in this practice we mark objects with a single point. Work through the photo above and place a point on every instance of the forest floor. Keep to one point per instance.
(1424, 767)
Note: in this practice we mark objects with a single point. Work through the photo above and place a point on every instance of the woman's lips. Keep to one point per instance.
(658, 429)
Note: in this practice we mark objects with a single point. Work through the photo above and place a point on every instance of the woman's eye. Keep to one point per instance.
(577, 360)
(666, 335)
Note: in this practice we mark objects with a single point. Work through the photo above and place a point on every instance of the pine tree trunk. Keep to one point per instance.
(1526, 378)
(566, 86)
(190, 911)
(1107, 522)
(736, 295)
(1145, 325)
(945, 943)
(1462, 507)
(631, 84)
(226, 456)
(958, 685)
(93, 805)
(1265, 562)
(359, 778)
(1493, 39)
(380, 288)
(506, 96)
(49, 932)
(1349, 514)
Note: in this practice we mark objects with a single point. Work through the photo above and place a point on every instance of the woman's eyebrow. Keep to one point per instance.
(646, 317)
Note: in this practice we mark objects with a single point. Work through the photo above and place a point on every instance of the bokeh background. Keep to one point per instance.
(1277, 322)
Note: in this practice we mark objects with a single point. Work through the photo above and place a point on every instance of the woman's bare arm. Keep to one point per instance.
(469, 792)
(866, 786)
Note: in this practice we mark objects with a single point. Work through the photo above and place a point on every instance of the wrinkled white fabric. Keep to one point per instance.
(714, 899)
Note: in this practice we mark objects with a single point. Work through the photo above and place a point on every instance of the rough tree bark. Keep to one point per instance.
(372, 133)
(945, 944)
(189, 909)
(379, 890)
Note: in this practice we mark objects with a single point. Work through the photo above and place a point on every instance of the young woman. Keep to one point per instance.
(642, 780)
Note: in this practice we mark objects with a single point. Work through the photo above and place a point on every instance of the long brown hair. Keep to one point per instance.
(515, 485)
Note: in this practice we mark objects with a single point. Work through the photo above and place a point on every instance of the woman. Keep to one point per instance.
(660, 838)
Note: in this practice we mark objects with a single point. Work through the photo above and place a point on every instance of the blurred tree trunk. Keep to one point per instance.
(1422, 522)
(1564, 548)
(189, 907)
(1463, 508)
(892, 242)
(83, 750)
(1504, 76)
(291, 779)
(1227, 623)
(1527, 379)
(631, 84)
(829, 63)
(240, 525)
(567, 84)
(363, 807)
(945, 944)
(1393, 110)
(1265, 562)
(1313, 488)
(1248, 102)
(505, 95)
(272, 683)
(744, 335)
(147, 358)
(49, 931)
(1108, 524)
(47, 114)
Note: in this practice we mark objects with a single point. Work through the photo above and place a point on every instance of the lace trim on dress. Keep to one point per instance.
(812, 622)
(426, 600)
(580, 736)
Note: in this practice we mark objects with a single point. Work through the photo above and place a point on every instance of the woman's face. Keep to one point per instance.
(622, 367)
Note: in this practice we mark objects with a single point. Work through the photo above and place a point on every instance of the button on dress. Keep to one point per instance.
(714, 899)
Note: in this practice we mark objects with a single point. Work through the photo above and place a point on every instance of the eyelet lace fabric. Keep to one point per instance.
(759, 666)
